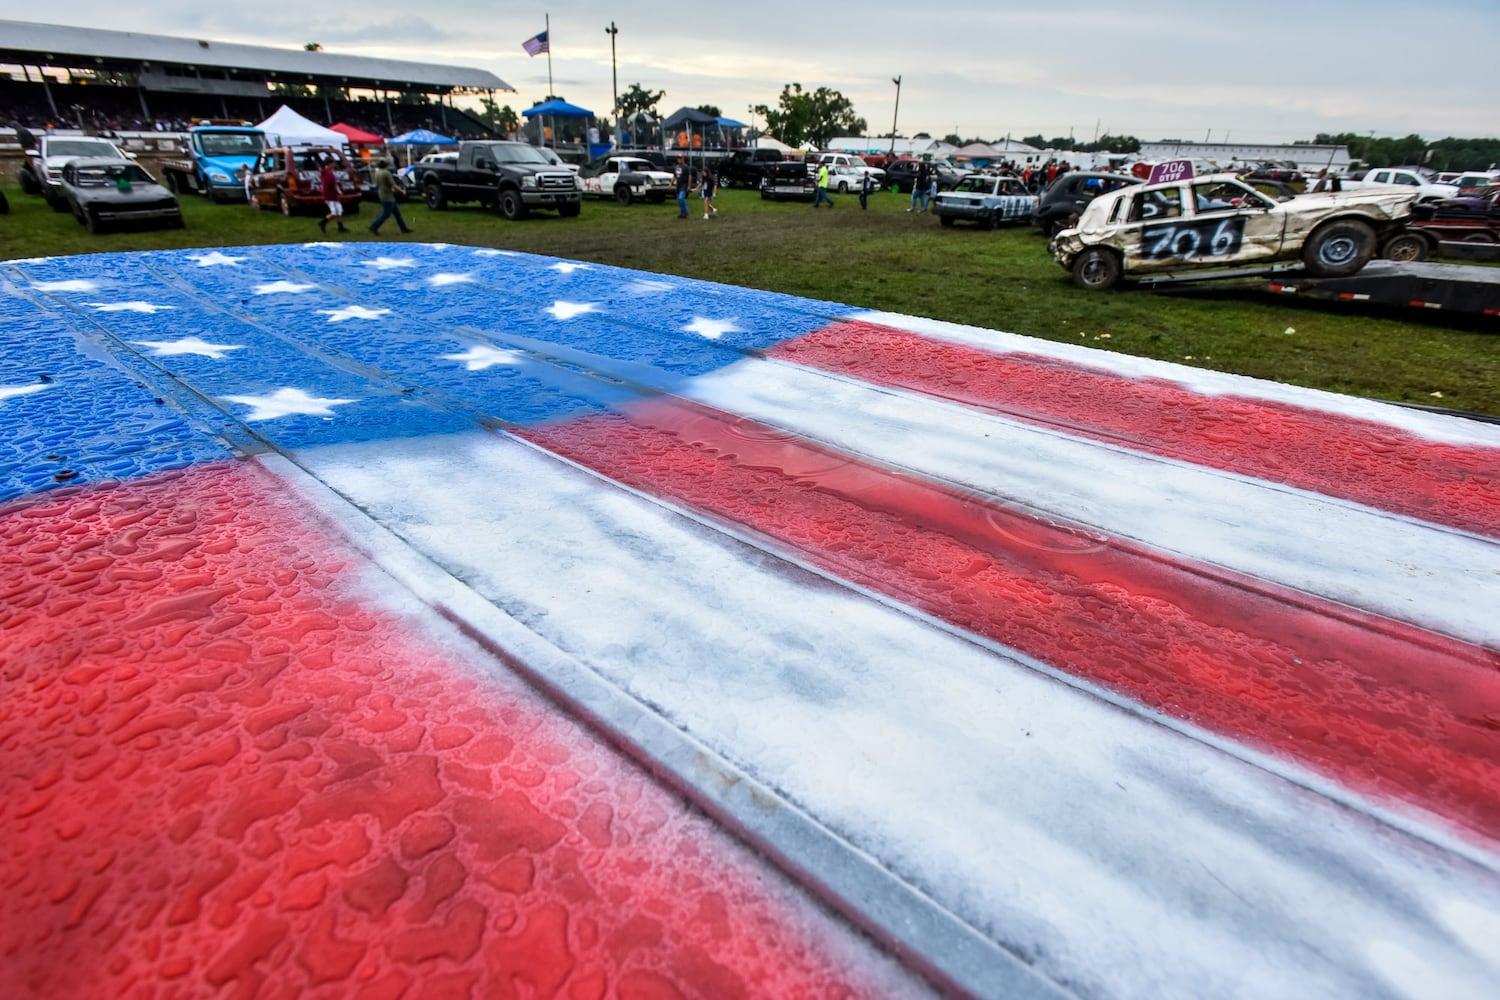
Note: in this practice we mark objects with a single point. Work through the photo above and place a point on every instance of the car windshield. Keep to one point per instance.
(232, 143)
(81, 147)
(109, 175)
(518, 153)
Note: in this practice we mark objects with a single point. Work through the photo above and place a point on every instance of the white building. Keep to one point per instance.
(1231, 156)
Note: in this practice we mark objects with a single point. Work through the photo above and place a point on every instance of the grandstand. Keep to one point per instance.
(94, 80)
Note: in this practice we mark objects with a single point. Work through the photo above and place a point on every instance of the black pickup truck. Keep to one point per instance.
(513, 177)
(746, 167)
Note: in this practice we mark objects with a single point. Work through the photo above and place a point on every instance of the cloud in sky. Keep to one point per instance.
(1266, 72)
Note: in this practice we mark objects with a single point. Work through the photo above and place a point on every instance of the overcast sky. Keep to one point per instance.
(1267, 71)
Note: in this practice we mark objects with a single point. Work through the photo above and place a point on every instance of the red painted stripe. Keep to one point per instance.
(1392, 710)
(222, 775)
(1368, 463)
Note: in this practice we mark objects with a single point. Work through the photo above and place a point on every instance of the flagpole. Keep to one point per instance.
(550, 93)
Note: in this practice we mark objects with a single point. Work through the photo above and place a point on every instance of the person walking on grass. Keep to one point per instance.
(710, 189)
(684, 185)
(866, 186)
(919, 189)
(329, 181)
(821, 194)
(385, 190)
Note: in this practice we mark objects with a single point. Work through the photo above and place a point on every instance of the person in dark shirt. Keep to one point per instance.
(328, 179)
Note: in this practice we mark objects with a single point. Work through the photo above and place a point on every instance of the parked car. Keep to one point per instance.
(410, 175)
(625, 179)
(1284, 172)
(513, 178)
(1423, 182)
(848, 160)
(1474, 182)
(1063, 202)
(1218, 220)
(46, 155)
(107, 192)
(1474, 218)
(901, 174)
(289, 178)
(986, 200)
(844, 179)
(791, 180)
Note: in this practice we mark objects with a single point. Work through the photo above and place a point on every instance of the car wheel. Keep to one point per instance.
(570, 210)
(764, 196)
(432, 193)
(1096, 269)
(29, 184)
(994, 220)
(511, 205)
(1405, 247)
(178, 223)
(843, 187)
(624, 195)
(286, 204)
(946, 220)
(93, 222)
(59, 203)
(169, 181)
(1339, 248)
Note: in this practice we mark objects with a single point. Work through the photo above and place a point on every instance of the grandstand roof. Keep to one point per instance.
(25, 43)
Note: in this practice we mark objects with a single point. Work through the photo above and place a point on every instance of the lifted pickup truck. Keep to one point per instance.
(512, 177)
(219, 157)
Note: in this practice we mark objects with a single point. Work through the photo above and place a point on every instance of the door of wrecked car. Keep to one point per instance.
(1143, 225)
(1235, 222)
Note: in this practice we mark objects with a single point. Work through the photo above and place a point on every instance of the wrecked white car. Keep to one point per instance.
(1218, 221)
(986, 201)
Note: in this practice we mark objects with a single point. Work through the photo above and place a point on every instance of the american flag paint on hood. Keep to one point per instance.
(999, 667)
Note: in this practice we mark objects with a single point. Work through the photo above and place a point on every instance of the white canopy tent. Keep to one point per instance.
(288, 128)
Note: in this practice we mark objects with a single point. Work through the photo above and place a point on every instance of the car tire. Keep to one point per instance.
(59, 203)
(511, 205)
(1406, 247)
(994, 220)
(92, 221)
(1339, 248)
(1096, 269)
(946, 220)
(169, 181)
(624, 195)
(432, 194)
(29, 184)
(570, 210)
(286, 204)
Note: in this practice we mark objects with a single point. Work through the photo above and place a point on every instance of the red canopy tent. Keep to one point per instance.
(358, 136)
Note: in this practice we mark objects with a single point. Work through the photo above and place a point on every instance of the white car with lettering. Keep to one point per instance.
(625, 178)
(1220, 221)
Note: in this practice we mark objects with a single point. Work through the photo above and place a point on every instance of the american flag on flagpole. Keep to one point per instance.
(536, 45)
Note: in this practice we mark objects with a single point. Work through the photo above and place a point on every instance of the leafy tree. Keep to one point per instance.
(312, 47)
(503, 120)
(814, 117)
(709, 109)
(637, 99)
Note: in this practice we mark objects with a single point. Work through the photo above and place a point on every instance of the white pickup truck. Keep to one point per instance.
(1426, 188)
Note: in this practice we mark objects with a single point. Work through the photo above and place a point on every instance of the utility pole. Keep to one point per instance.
(897, 81)
(614, 67)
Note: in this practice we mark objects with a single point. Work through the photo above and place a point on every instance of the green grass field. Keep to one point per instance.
(886, 258)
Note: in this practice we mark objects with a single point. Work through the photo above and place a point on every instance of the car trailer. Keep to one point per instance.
(1454, 288)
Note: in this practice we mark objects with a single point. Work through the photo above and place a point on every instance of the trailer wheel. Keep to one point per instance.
(1339, 249)
(1096, 269)
(1406, 247)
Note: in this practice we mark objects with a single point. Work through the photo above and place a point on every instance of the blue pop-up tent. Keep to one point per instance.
(556, 108)
(421, 137)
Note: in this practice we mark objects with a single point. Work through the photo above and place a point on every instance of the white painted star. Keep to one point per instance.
(479, 357)
(389, 263)
(490, 252)
(712, 329)
(277, 287)
(135, 307)
(352, 312)
(568, 267)
(188, 345)
(285, 403)
(7, 391)
(70, 285)
(215, 259)
(449, 279)
(567, 310)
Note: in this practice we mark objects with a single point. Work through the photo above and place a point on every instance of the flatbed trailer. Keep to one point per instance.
(1457, 288)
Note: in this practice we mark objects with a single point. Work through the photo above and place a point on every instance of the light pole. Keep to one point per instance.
(614, 68)
(897, 81)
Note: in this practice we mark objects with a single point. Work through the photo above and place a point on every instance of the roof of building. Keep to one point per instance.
(27, 43)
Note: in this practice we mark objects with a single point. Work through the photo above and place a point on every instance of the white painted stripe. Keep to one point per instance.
(1119, 857)
(1429, 575)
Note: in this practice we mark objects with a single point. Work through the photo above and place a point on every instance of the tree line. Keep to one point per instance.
(818, 116)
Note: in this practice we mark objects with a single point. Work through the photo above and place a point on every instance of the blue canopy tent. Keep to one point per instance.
(555, 109)
(418, 137)
(689, 123)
